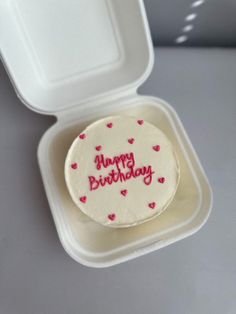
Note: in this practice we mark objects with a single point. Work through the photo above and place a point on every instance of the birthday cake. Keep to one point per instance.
(122, 171)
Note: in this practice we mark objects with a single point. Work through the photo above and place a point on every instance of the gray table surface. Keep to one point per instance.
(195, 275)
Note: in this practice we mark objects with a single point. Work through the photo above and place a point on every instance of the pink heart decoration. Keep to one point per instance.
(82, 136)
(112, 217)
(152, 205)
(83, 199)
(131, 140)
(109, 125)
(140, 122)
(156, 148)
(74, 165)
(98, 148)
(124, 192)
(161, 180)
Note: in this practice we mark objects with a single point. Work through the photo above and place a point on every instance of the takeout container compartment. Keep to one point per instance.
(103, 53)
(99, 246)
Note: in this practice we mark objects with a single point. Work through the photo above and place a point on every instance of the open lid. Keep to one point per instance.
(62, 53)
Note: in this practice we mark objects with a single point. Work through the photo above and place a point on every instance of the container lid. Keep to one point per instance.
(62, 53)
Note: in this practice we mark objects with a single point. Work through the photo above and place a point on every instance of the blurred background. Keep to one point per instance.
(192, 23)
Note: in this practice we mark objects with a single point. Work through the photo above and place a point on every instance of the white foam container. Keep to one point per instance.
(80, 61)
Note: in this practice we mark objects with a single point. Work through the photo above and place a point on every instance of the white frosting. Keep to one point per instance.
(143, 177)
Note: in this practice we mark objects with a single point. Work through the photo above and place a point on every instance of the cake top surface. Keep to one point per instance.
(121, 171)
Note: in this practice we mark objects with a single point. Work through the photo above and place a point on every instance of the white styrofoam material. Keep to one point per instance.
(83, 60)
(60, 54)
(94, 245)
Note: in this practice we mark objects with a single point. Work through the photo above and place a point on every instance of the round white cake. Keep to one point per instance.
(121, 171)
